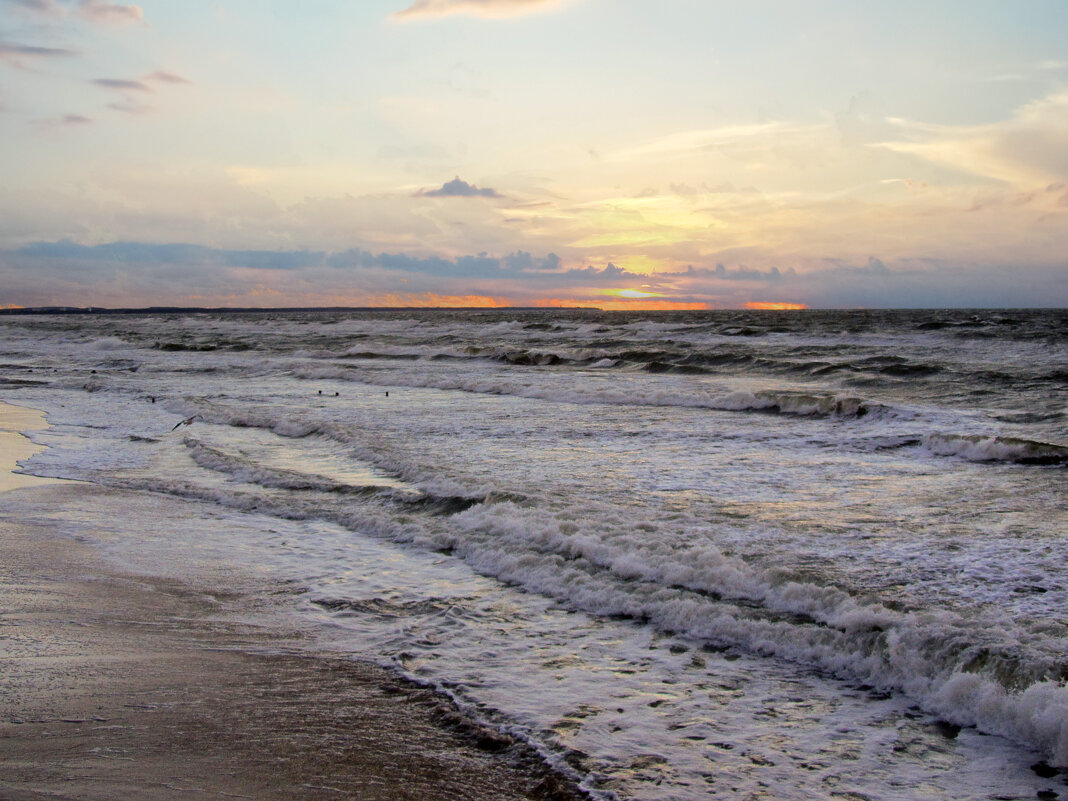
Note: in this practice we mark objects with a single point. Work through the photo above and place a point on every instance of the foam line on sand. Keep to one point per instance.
(115, 685)
(15, 446)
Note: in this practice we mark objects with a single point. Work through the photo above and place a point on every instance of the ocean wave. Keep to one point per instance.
(982, 448)
(971, 672)
(787, 402)
(981, 670)
(407, 498)
(248, 471)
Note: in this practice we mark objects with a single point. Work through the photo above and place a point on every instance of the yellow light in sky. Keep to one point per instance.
(774, 306)
(631, 293)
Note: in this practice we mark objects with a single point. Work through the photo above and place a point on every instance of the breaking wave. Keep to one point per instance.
(788, 402)
(980, 448)
(978, 669)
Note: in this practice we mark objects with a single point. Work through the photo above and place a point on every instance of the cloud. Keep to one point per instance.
(138, 273)
(160, 76)
(94, 11)
(517, 265)
(186, 254)
(130, 107)
(488, 9)
(100, 12)
(458, 188)
(18, 54)
(40, 6)
(122, 85)
(705, 139)
(67, 120)
(1024, 150)
(741, 273)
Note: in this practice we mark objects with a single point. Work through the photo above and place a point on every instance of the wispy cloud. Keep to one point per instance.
(159, 76)
(705, 139)
(40, 6)
(108, 13)
(94, 11)
(66, 121)
(130, 107)
(130, 104)
(459, 188)
(489, 9)
(17, 55)
(1024, 150)
(122, 85)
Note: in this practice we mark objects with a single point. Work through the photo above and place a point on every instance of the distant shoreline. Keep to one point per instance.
(93, 310)
(275, 309)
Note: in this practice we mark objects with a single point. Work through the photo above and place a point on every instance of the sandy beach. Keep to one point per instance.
(122, 686)
(14, 446)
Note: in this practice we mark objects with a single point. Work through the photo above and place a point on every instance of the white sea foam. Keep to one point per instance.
(980, 448)
(610, 508)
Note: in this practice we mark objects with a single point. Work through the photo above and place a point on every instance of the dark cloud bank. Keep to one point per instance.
(54, 273)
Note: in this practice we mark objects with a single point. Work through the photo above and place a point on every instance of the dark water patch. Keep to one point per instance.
(184, 346)
(1030, 589)
(889, 443)
(646, 356)
(1046, 771)
(442, 505)
(946, 729)
(720, 359)
(608, 344)
(742, 331)
(683, 369)
(369, 354)
(910, 369)
(527, 358)
(1030, 417)
(128, 365)
(385, 607)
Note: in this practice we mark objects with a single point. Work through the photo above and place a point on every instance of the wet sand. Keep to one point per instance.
(121, 686)
(14, 446)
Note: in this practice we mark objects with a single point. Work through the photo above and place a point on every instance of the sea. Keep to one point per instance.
(731, 554)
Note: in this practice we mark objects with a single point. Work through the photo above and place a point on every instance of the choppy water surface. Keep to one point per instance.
(786, 555)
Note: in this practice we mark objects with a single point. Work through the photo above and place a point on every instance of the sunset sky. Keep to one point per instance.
(612, 153)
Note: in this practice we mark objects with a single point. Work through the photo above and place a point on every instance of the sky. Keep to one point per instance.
(680, 154)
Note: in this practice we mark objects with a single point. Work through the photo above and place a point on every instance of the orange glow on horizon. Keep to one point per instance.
(434, 300)
(422, 300)
(623, 305)
(766, 305)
